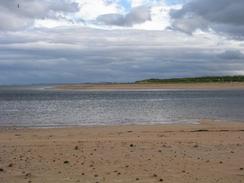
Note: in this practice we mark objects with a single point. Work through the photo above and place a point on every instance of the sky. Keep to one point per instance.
(76, 41)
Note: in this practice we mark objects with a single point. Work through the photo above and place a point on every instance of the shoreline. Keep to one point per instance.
(138, 87)
(136, 124)
(171, 153)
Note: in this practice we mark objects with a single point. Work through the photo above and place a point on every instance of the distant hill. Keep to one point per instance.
(207, 79)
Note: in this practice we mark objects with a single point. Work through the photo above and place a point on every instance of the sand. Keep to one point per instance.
(207, 152)
(197, 86)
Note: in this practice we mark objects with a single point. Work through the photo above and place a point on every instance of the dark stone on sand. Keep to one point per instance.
(10, 165)
(200, 130)
(27, 174)
(66, 162)
(76, 147)
(161, 180)
(221, 162)
(241, 169)
(195, 146)
(1, 170)
(155, 175)
(131, 145)
(137, 179)
(95, 175)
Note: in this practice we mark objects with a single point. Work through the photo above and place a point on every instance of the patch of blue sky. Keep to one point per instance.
(125, 3)
(172, 2)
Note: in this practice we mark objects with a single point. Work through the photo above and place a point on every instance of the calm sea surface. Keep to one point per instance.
(44, 108)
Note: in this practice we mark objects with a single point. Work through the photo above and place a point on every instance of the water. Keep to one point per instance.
(44, 108)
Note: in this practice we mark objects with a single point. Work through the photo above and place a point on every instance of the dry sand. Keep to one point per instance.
(202, 86)
(209, 152)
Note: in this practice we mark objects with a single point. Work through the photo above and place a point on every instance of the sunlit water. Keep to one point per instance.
(44, 108)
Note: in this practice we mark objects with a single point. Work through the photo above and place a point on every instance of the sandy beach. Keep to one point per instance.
(197, 86)
(207, 152)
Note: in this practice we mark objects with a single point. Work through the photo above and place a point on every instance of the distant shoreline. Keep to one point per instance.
(152, 86)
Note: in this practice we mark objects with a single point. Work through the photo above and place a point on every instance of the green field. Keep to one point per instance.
(208, 79)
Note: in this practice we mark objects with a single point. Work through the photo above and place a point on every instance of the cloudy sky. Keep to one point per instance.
(64, 41)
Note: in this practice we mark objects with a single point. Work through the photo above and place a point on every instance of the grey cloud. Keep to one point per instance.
(137, 15)
(89, 55)
(13, 17)
(223, 16)
(231, 54)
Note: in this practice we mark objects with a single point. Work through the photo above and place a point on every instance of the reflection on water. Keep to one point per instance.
(32, 107)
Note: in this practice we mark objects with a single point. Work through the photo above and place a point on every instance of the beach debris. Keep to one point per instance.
(200, 130)
(1, 170)
(27, 175)
(66, 162)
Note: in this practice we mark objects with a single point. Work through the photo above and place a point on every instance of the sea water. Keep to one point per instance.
(42, 107)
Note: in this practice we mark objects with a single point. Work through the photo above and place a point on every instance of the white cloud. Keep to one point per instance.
(91, 9)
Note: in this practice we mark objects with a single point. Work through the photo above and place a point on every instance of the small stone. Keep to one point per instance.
(27, 174)
(241, 168)
(131, 145)
(66, 162)
(10, 165)
(1, 169)
(155, 175)
(221, 162)
(161, 180)
(76, 147)
(137, 179)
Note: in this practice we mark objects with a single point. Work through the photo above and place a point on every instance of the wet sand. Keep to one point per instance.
(208, 152)
(201, 86)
